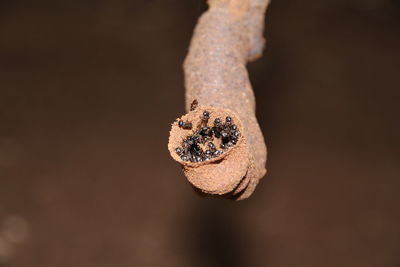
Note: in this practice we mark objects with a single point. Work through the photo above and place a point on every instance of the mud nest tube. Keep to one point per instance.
(219, 142)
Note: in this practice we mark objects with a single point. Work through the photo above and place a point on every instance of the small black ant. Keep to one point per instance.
(185, 125)
(211, 146)
(194, 105)
(206, 115)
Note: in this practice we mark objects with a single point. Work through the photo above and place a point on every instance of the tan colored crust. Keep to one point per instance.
(220, 177)
(242, 185)
(249, 189)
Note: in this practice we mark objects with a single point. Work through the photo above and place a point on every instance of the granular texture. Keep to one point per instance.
(226, 37)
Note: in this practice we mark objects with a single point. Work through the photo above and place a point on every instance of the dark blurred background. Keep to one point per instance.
(88, 90)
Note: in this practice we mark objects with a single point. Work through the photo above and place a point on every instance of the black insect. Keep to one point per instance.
(178, 150)
(217, 153)
(196, 138)
(194, 105)
(195, 149)
(206, 115)
(211, 146)
(216, 131)
(206, 131)
(185, 125)
(189, 141)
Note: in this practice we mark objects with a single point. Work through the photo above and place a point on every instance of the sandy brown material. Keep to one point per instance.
(226, 37)
(220, 177)
(242, 185)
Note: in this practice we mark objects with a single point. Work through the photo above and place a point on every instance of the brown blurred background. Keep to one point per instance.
(88, 90)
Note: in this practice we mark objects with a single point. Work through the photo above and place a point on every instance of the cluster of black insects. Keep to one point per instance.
(191, 151)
